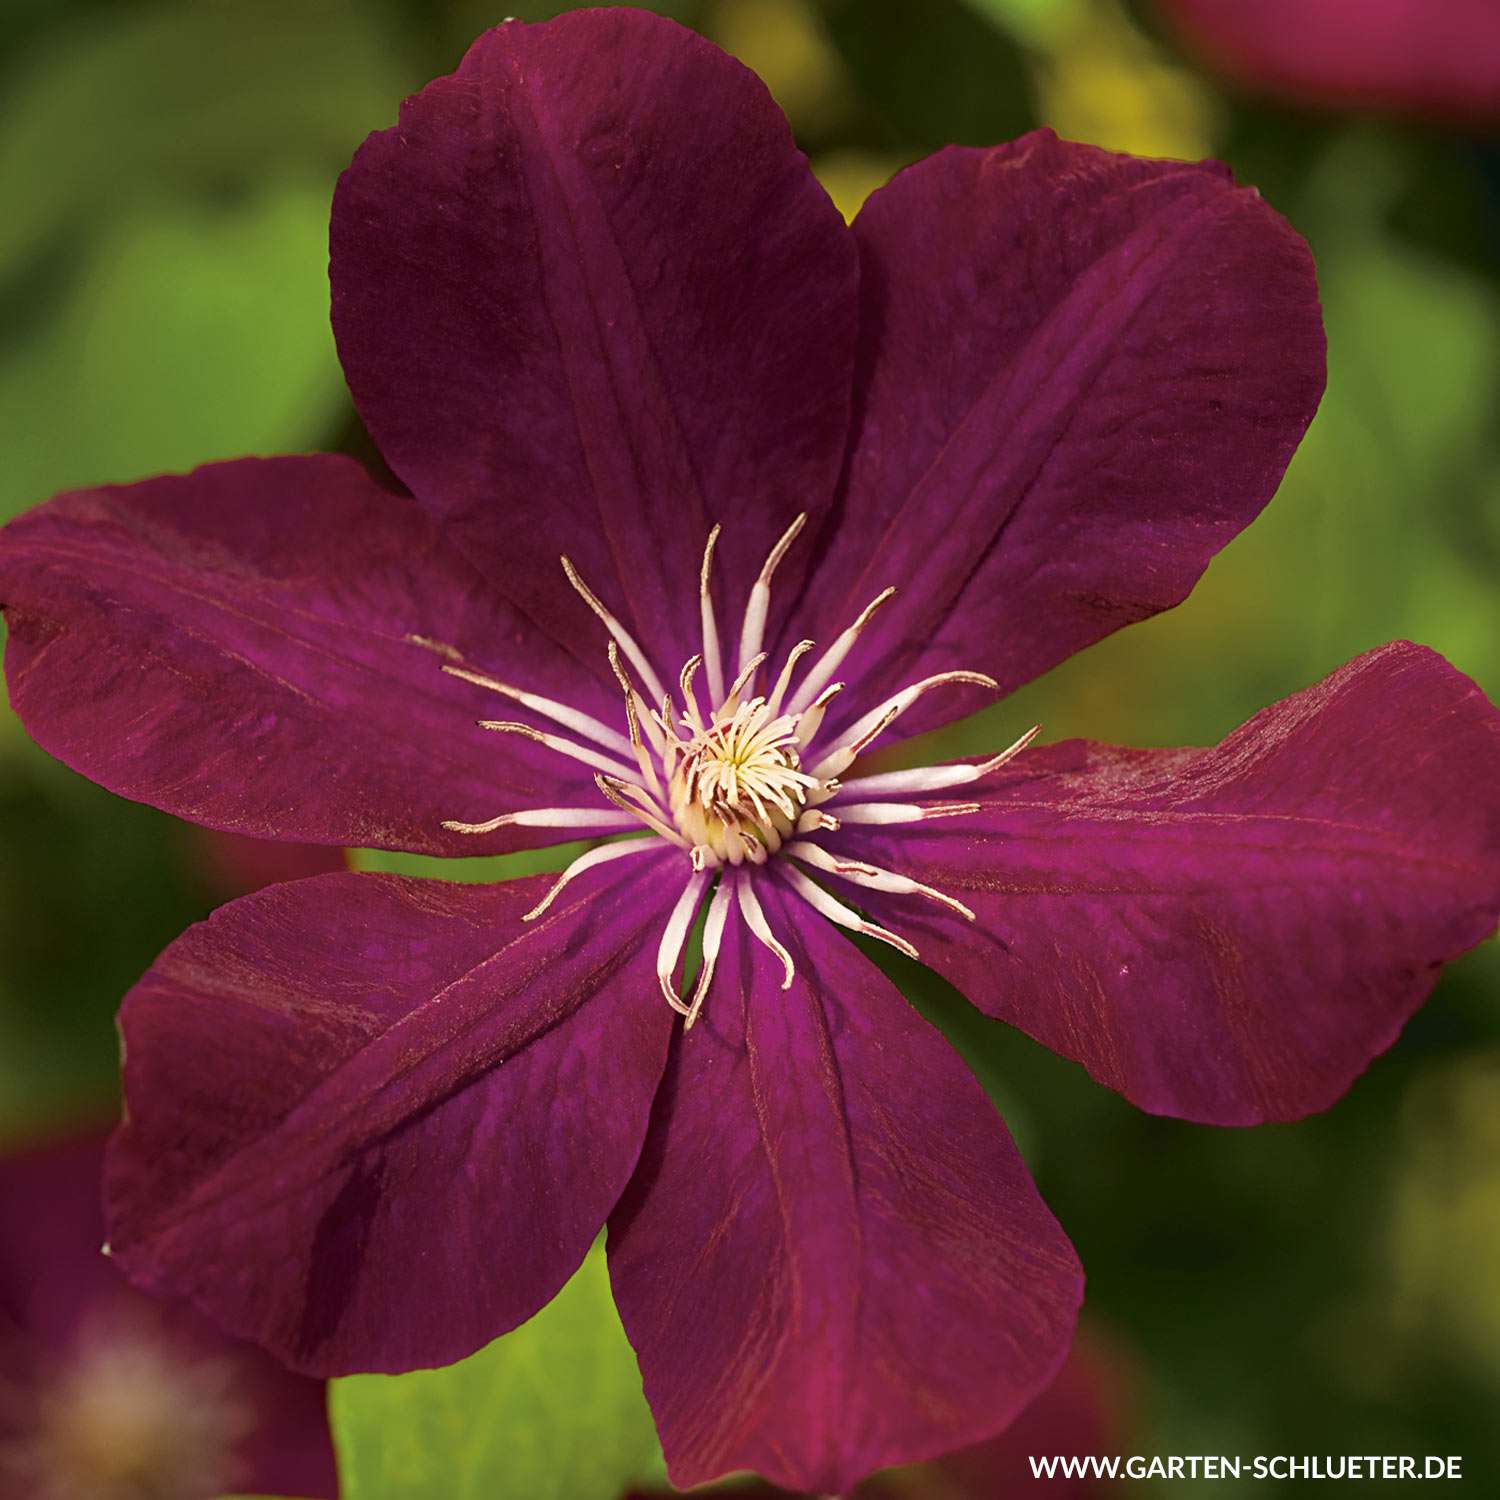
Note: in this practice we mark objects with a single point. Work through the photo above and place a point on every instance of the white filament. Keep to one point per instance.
(936, 778)
(559, 713)
(755, 920)
(859, 873)
(713, 663)
(674, 935)
(623, 637)
(902, 812)
(589, 861)
(546, 817)
(831, 659)
(713, 935)
(556, 742)
(754, 630)
(819, 899)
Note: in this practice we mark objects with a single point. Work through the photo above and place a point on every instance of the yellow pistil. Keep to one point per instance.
(739, 789)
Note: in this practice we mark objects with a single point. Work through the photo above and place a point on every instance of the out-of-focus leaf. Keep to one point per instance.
(850, 176)
(192, 335)
(1440, 1288)
(933, 75)
(208, 97)
(1101, 80)
(552, 1411)
(479, 870)
(781, 42)
(1038, 22)
(90, 891)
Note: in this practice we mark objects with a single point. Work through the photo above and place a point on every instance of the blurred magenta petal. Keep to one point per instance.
(373, 1123)
(831, 1258)
(1228, 935)
(1431, 59)
(1083, 1412)
(236, 646)
(230, 865)
(590, 298)
(1080, 375)
(70, 1324)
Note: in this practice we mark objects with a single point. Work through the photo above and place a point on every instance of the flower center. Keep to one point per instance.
(739, 788)
(738, 783)
(130, 1416)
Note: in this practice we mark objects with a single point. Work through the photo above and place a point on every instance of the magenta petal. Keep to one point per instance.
(831, 1258)
(372, 1123)
(258, 645)
(589, 299)
(1228, 935)
(1081, 374)
(1432, 59)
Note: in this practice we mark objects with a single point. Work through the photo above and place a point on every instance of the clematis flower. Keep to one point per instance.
(665, 420)
(107, 1395)
(1435, 60)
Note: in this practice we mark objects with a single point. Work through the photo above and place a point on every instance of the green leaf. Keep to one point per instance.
(194, 333)
(552, 1411)
(197, 98)
(479, 870)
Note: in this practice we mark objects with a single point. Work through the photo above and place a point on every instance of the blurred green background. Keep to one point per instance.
(165, 171)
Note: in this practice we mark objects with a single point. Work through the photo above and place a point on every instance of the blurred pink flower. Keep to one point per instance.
(106, 1394)
(1434, 60)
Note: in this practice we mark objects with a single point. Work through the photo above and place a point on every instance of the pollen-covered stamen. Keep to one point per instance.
(691, 717)
(936, 778)
(627, 642)
(859, 873)
(563, 747)
(546, 817)
(881, 717)
(674, 935)
(559, 713)
(754, 630)
(755, 919)
(713, 665)
(636, 802)
(845, 916)
(589, 861)
(732, 697)
(810, 721)
(833, 657)
(643, 757)
(784, 678)
(713, 935)
(814, 821)
(903, 812)
(638, 720)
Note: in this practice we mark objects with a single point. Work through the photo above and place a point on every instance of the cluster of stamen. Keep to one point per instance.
(738, 788)
(746, 777)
